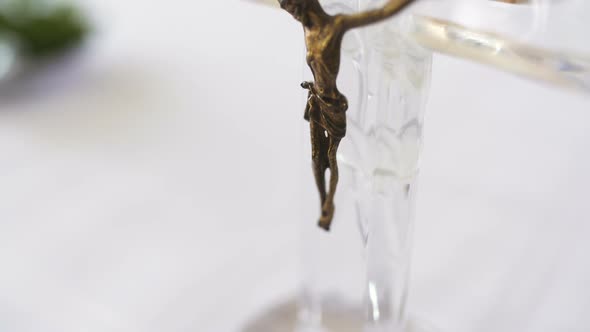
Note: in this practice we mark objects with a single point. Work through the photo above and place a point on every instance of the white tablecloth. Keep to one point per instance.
(146, 183)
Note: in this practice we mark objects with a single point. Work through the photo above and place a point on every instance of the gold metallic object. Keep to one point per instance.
(513, 1)
(326, 106)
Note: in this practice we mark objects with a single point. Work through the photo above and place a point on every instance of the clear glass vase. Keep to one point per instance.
(355, 277)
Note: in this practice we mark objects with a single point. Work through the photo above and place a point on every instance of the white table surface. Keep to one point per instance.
(146, 183)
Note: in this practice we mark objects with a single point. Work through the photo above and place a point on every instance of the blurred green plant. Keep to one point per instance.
(41, 28)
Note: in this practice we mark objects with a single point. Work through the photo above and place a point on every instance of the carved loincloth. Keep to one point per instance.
(328, 112)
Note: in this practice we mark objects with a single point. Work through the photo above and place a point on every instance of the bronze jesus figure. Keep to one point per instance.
(326, 106)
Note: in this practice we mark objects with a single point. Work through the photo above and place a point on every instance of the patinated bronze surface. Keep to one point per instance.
(326, 106)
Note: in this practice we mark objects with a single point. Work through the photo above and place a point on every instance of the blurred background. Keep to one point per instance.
(148, 174)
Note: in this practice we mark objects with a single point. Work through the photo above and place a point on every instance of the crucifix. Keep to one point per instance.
(326, 106)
